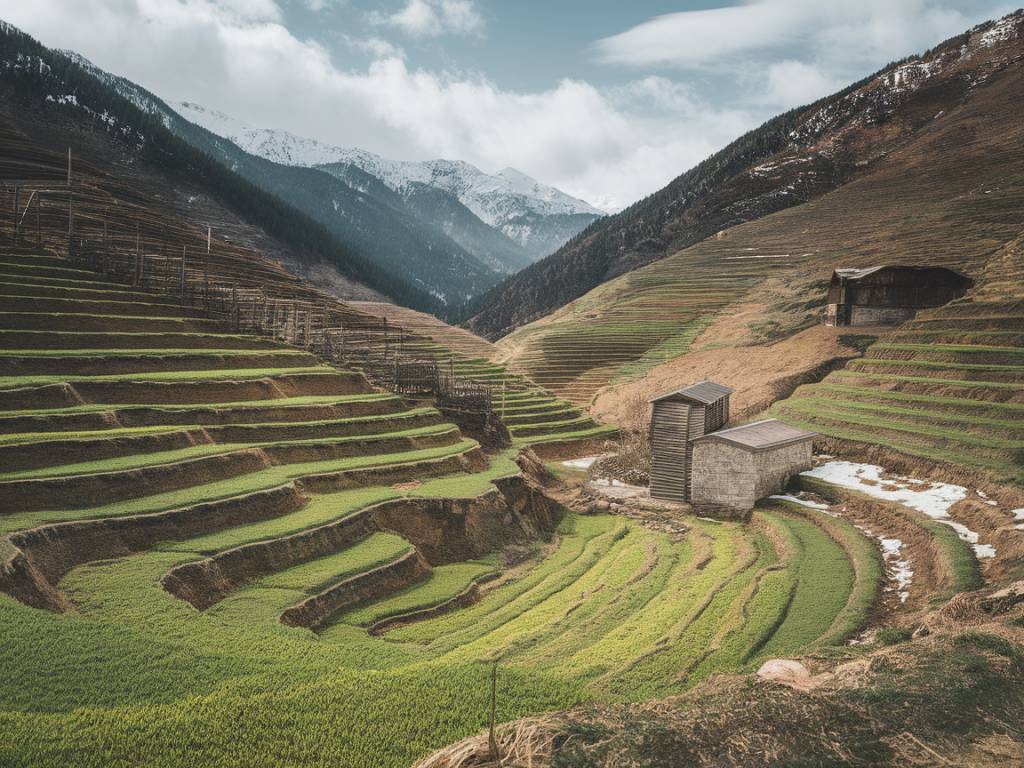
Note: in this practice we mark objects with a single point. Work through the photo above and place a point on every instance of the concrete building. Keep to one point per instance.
(732, 468)
(677, 418)
(889, 295)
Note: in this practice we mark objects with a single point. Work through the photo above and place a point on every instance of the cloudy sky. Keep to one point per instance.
(606, 99)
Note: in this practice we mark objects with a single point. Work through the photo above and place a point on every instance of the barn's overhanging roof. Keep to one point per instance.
(760, 436)
(704, 392)
(858, 273)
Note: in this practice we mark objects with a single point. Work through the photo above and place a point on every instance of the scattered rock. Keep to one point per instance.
(791, 673)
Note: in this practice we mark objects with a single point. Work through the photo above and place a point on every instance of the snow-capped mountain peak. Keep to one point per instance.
(510, 200)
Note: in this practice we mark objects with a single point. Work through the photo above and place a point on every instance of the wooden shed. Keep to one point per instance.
(733, 468)
(887, 295)
(677, 418)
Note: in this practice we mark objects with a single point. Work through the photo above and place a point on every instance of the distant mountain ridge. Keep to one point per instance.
(363, 213)
(537, 217)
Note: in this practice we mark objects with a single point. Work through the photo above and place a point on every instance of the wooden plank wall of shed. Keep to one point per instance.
(670, 423)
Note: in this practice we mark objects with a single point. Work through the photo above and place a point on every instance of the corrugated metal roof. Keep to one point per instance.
(704, 392)
(760, 435)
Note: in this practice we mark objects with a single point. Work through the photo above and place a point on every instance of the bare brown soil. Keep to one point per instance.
(760, 374)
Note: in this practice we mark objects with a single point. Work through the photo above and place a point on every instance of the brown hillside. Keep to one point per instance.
(795, 158)
(948, 195)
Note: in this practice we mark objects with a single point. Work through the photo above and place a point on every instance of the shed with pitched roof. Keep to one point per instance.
(733, 468)
(677, 418)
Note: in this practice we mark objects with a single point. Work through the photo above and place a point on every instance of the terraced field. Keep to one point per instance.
(211, 539)
(947, 386)
(951, 197)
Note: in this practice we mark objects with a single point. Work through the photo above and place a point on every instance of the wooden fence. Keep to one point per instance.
(131, 245)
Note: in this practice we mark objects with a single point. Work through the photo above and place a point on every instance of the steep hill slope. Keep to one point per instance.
(46, 92)
(950, 195)
(189, 518)
(792, 159)
(363, 214)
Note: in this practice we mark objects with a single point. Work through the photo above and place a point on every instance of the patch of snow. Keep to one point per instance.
(985, 499)
(897, 569)
(932, 498)
(585, 463)
(762, 256)
(1018, 514)
(802, 502)
(1004, 29)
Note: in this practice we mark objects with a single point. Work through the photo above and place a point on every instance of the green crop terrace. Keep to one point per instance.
(176, 517)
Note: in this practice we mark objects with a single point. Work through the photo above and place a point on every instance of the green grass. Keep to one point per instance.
(237, 486)
(444, 583)
(160, 458)
(22, 382)
(317, 575)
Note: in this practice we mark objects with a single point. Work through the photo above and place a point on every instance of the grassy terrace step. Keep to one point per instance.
(16, 303)
(957, 564)
(945, 404)
(127, 477)
(1001, 468)
(317, 575)
(284, 409)
(426, 462)
(104, 323)
(965, 371)
(1008, 389)
(161, 458)
(330, 507)
(79, 293)
(179, 387)
(21, 451)
(51, 270)
(596, 432)
(983, 446)
(551, 427)
(558, 414)
(1003, 428)
(65, 363)
(56, 341)
(444, 583)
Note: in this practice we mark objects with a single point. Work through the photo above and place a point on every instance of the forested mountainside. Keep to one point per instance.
(362, 214)
(527, 220)
(793, 158)
(37, 79)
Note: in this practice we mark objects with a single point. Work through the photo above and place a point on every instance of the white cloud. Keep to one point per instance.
(433, 18)
(788, 52)
(609, 146)
(791, 83)
(376, 47)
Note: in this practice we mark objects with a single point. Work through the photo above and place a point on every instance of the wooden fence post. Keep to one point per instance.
(138, 256)
(71, 210)
(39, 230)
(184, 251)
(17, 224)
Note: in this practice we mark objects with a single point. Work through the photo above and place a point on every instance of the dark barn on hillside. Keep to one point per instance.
(888, 295)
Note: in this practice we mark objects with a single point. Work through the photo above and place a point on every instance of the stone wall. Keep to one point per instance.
(727, 476)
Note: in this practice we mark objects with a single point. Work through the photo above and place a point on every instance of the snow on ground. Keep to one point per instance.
(585, 463)
(932, 498)
(802, 502)
(897, 568)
